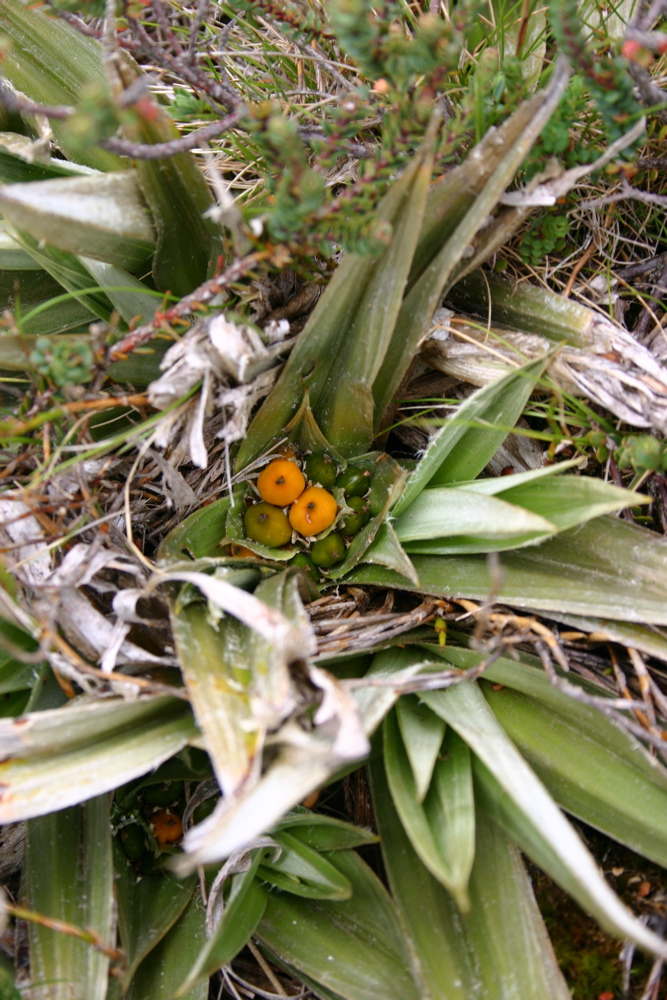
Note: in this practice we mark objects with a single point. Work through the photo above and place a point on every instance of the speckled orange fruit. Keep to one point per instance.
(281, 482)
(314, 511)
(167, 827)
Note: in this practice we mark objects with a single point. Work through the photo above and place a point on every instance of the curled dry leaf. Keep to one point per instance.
(235, 369)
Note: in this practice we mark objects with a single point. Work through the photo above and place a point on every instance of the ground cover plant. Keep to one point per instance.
(333, 583)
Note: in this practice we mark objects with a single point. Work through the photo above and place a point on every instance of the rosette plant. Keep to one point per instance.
(173, 707)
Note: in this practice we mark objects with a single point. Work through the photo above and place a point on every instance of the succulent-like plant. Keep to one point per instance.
(196, 690)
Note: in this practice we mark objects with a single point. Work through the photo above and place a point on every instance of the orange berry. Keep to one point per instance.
(167, 827)
(281, 482)
(313, 511)
(241, 552)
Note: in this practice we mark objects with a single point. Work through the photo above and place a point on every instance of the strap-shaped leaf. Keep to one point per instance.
(325, 833)
(68, 271)
(457, 208)
(522, 804)
(301, 870)
(217, 671)
(607, 568)
(440, 522)
(355, 313)
(355, 948)
(501, 948)
(33, 786)
(470, 439)
(439, 513)
(422, 731)
(442, 828)
(189, 242)
(243, 911)
(99, 216)
(69, 877)
(50, 61)
(167, 964)
(147, 909)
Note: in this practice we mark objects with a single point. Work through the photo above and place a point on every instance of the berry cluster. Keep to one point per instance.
(299, 500)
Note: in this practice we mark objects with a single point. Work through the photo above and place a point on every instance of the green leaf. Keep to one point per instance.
(437, 523)
(495, 485)
(386, 550)
(386, 485)
(520, 802)
(189, 242)
(34, 785)
(147, 909)
(68, 877)
(351, 316)
(15, 675)
(461, 449)
(345, 408)
(456, 210)
(81, 722)
(606, 568)
(243, 911)
(129, 296)
(302, 870)
(525, 307)
(591, 767)
(422, 732)
(70, 274)
(571, 500)
(324, 833)
(442, 828)
(19, 164)
(355, 948)
(49, 61)
(501, 949)
(102, 216)
(442, 513)
(217, 671)
(167, 964)
(197, 537)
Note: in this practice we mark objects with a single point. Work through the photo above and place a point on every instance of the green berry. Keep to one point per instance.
(303, 560)
(320, 470)
(163, 794)
(204, 809)
(267, 525)
(328, 551)
(353, 523)
(133, 842)
(354, 482)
